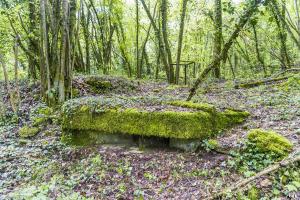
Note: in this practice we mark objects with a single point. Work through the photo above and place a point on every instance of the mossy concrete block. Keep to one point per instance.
(188, 145)
(129, 116)
(151, 142)
(270, 142)
(83, 138)
(104, 84)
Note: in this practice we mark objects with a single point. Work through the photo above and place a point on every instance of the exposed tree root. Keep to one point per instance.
(268, 170)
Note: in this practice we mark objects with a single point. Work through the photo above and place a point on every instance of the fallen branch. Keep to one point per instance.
(268, 170)
(260, 82)
(286, 71)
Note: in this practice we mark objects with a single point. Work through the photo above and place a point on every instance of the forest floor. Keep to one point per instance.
(43, 167)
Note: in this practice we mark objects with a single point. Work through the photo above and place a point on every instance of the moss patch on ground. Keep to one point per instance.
(270, 142)
(27, 131)
(198, 106)
(122, 115)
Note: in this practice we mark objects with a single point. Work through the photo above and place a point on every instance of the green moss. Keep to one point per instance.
(270, 142)
(38, 120)
(27, 131)
(113, 115)
(132, 121)
(198, 106)
(213, 144)
(235, 116)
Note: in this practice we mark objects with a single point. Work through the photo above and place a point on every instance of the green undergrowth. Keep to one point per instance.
(40, 114)
(260, 149)
(129, 116)
(292, 84)
(282, 184)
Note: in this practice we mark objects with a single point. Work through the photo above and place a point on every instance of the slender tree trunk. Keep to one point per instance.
(297, 14)
(217, 35)
(159, 38)
(33, 43)
(287, 26)
(65, 60)
(7, 84)
(138, 67)
(44, 65)
(283, 48)
(164, 29)
(259, 58)
(16, 66)
(284, 58)
(180, 37)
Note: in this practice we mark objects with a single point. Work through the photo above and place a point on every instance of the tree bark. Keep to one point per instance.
(217, 35)
(180, 37)
(159, 38)
(164, 30)
(259, 58)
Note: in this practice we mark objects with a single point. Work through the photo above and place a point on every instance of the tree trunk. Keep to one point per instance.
(164, 30)
(159, 38)
(138, 66)
(7, 84)
(180, 37)
(33, 43)
(16, 66)
(284, 58)
(259, 58)
(44, 58)
(217, 35)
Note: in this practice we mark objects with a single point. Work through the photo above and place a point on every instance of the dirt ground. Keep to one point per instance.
(43, 167)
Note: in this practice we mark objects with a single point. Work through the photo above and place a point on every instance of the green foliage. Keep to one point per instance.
(270, 142)
(40, 114)
(210, 144)
(27, 131)
(253, 193)
(260, 149)
(292, 84)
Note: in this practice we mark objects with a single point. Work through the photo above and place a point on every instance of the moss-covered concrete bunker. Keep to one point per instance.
(137, 116)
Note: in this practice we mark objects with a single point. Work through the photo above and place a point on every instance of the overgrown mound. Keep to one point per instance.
(260, 149)
(103, 84)
(136, 116)
(270, 142)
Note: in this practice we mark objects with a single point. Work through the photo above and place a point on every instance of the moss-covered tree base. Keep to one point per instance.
(136, 117)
